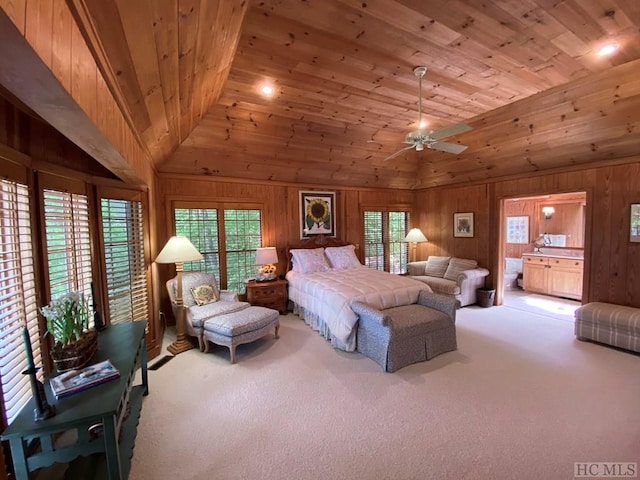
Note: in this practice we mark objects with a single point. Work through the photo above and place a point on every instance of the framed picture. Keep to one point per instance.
(518, 229)
(634, 234)
(317, 214)
(463, 224)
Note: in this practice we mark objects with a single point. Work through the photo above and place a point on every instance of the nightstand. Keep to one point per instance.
(271, 294)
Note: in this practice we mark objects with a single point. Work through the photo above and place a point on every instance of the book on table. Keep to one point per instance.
(75, 381)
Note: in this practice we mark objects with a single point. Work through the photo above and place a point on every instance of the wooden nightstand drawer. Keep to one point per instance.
(268, 294)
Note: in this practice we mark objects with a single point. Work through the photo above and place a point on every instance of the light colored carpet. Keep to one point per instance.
(520, 398)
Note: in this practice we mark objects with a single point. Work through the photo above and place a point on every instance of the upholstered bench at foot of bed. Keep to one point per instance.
(615, 325)
(399, 336)
(244, 326)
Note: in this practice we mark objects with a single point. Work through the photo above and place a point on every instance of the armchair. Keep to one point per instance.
(195, 315)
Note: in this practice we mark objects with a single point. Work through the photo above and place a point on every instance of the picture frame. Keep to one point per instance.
(634, 223)
(518, 229)
(463, 224)
(317, 214)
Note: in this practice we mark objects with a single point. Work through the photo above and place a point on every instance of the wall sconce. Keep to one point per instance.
(414, 237)
(548, 212)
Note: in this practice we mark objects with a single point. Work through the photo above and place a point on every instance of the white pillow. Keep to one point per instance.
(457, 266)
(436, 266)
(342, 257)
(309, 260)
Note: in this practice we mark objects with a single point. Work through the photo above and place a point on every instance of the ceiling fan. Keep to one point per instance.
(419, 139)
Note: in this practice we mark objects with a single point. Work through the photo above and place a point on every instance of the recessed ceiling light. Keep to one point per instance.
(423, 124)
(608, 49)
(267, 90)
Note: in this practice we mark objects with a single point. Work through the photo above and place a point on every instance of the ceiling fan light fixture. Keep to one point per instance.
(419, 147)
(607, 49)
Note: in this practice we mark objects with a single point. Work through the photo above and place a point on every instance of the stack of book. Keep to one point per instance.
(75, 381)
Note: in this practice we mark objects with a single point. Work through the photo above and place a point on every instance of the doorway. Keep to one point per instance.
(548, 230)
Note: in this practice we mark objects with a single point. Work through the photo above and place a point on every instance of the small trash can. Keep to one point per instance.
(486, 297)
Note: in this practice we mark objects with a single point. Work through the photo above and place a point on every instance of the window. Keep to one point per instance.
(125, 266)
(229, 246)
(18, 303)
(68, 245)
(384, 232)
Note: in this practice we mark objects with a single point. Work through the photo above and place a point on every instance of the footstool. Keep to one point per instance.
(615, 325)
(239, 327)
(399, 336)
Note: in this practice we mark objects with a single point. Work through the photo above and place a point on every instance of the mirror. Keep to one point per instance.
(564, 227)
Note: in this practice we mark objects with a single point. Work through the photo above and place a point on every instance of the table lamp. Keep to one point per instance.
(414, 237)
(178, 250)
(266, 257)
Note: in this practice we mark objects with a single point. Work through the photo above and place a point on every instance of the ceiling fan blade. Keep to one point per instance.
(450, 131)
(447, 147)
(394, 155)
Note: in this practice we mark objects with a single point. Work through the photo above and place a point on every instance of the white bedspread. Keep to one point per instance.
(329, 294)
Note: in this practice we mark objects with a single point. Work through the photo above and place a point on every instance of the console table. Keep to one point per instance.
(104, 418)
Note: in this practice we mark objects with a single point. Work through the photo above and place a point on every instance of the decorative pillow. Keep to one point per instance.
(204, 294)
(436, 266)
(342, 257)
(309, 260)
(457, 266)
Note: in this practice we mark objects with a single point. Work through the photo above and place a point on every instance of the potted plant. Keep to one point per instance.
(68, 323)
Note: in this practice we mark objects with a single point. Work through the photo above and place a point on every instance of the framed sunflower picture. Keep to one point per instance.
(317, 214)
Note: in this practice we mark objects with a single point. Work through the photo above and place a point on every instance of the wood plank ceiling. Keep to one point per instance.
(524, 74)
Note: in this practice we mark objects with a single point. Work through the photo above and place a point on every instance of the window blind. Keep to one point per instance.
(384, 232)
(68, 244)
(228, 244)
(18, 302)
(125, 267)
(243, 236)
(200, 225)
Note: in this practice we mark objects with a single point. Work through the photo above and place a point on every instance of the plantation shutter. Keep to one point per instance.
(200, 226)
(374, 240)
(243, 236)
(398, 249)
(125, 266)
(68, 244)
(384, 232)
(18, 302)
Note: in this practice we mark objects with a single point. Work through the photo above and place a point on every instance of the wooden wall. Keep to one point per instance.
(612, 263)
(280, 208)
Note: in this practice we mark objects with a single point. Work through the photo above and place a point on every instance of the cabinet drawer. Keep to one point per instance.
(266, 292)
(566, 263)
(536, 260)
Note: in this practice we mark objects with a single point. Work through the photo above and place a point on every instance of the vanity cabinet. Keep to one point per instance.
(561, 277)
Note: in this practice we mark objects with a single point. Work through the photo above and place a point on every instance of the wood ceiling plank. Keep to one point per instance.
(188, 12)
(137, 27)
(165, 33)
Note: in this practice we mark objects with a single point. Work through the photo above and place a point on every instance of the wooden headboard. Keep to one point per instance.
(318, 241)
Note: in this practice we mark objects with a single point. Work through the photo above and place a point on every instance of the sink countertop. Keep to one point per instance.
(549, 255)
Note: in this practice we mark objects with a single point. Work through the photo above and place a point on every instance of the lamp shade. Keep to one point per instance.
(415, 236)
(177, 250)
(266, 256)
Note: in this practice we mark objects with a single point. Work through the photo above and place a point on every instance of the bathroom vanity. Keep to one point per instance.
(556, 275)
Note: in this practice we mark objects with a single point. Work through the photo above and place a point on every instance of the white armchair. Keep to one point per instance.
(195, 315)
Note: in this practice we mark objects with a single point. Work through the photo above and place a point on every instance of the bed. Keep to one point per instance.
(325, 277)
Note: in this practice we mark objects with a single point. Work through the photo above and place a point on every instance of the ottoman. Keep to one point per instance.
(615, 325)
(399, 336)
(244, 326)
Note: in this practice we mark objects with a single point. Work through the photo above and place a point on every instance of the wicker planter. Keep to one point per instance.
(76, 355)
